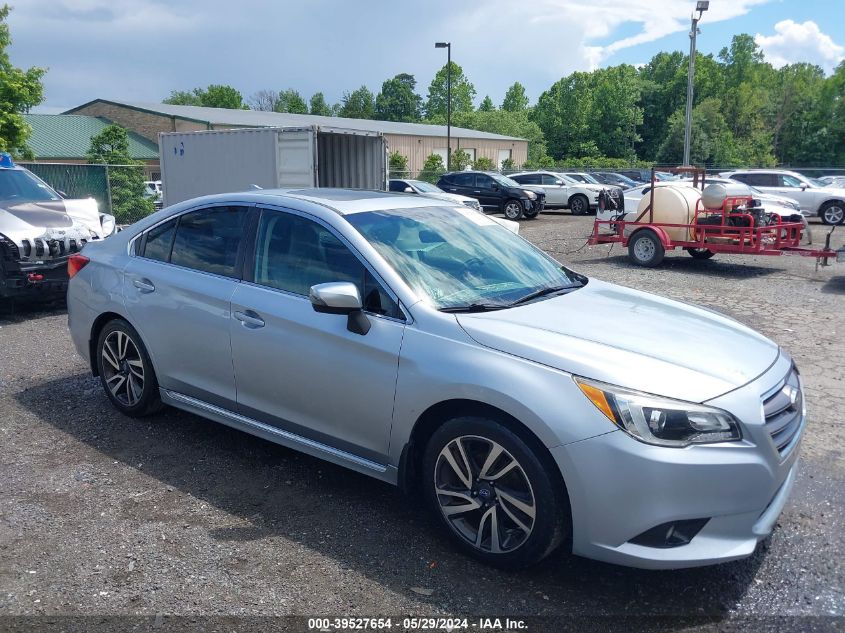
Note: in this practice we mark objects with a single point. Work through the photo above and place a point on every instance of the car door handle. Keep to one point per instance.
(144, 285)
(476, 191)
(250, 319)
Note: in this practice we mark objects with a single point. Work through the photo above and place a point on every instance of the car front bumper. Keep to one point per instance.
(620, 488)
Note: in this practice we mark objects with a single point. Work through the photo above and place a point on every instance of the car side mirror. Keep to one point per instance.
(494, 187)
(559, 183)
(803, 187)
(408, 190)
(341, 297)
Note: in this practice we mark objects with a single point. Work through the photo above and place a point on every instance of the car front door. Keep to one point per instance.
(488, 192)
(302, 371)
(792, 187)
(177, 291)
(556, 192)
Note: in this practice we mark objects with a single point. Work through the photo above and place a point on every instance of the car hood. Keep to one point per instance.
(629, 338)
(26, 218)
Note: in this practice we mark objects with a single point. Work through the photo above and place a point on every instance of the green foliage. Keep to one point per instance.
(483, 163)
(290, 101)
(515, 98)
(398, 101)
(126, 181)
(215, 96)
(517, 124)
(460, 160)
(463, 93)
(318, 105)
(432, 169)
(358, 104)
(508, 164)
(398, 165)
(20, 90)
(486, 105)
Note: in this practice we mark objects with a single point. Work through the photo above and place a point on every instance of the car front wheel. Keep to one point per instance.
(126, 372)
(492, 493)
(513, 209)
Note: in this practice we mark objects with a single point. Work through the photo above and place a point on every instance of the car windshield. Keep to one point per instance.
(622, 180)
(18, 185)
(504, 180)
(426, 187)
(461, 260)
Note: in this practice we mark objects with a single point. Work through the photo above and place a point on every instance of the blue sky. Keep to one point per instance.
(141, 49)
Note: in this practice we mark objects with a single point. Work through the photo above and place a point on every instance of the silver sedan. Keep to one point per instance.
(527, 404)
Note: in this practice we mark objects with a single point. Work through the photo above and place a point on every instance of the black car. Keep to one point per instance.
(496, 193)
(612, 178)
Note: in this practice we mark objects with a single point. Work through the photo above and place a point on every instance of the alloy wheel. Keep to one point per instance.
(834, 214)
(123, 368)
(513, 210)
(484, 494)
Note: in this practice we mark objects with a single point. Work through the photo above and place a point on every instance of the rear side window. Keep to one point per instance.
(208, 240)
(464, 180)
(159, 241)
(397, 185)
(758, 180)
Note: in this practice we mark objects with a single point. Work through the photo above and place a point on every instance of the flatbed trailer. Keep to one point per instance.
(730, 229)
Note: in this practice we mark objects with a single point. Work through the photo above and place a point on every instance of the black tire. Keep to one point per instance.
(579, 205)
(519, 545)
(646, 249)
(700, 253)
(131, 358)
(832, 212)
(513, 209)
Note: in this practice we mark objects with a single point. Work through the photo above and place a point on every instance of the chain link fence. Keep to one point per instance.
(118, 189)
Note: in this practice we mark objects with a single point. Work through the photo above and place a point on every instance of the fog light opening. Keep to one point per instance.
(671, 534)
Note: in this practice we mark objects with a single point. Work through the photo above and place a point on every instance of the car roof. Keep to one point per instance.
(341, 201)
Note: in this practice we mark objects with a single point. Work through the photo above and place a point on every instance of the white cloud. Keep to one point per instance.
(805, 42)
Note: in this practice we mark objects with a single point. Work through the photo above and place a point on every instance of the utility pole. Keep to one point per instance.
(701, 6)
(448, 47)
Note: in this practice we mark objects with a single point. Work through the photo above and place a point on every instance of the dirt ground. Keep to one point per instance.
(104, 515)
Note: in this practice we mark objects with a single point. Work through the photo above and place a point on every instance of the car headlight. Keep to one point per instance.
(531, 195)
(108, 224)
(660, 421)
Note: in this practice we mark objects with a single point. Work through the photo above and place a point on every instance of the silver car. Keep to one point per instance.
(527, 404)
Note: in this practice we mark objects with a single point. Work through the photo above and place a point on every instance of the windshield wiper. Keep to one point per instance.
(543, 292)
(476, 307)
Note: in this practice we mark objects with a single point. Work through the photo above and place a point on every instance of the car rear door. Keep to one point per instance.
(302, 371)
(177, 291)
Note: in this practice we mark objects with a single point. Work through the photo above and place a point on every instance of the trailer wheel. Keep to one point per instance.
(646, 249)
(700, 253)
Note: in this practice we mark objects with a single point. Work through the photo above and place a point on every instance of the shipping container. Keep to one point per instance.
(221, 161)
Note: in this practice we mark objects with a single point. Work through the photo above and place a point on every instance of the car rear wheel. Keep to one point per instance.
(832, 213)
(126, 372)
(492, 494)
(700, 253)
(579, 205)
(513, 209)
(646, 249)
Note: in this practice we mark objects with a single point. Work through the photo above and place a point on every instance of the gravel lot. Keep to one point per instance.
(101, 514)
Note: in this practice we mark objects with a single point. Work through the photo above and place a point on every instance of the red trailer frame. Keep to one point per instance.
(782, 238)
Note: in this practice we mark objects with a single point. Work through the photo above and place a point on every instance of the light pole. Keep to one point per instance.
(448, 47)
(701, 6)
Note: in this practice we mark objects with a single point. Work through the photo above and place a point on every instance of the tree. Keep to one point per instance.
(20, 90)
(486, 105)
(215, 96)
(290, 101)
(483, 163)
(126, 181)
(795, 102)
(359, 104)
(398, 165)
(317, 105)
(463, 93)
(263, 100)
(508, 164)
(460, 160)
(397, 100)
(515, 98)
(433, 168)
(517, 124)
(711, 142)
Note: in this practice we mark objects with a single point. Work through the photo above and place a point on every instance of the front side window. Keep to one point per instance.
(208, 240)
(790, 181)
(294, 253)
(548, 179)
(460, 258)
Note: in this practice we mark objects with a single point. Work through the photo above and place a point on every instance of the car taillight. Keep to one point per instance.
(75, 263)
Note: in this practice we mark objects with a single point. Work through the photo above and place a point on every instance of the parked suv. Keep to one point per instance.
(563, 191)
(816, 199)
(527, 405)
(39, 230)
(496, 193)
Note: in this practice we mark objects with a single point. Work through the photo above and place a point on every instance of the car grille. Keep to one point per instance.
(784, 413)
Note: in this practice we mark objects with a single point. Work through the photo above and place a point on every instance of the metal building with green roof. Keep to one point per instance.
(67, 138)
